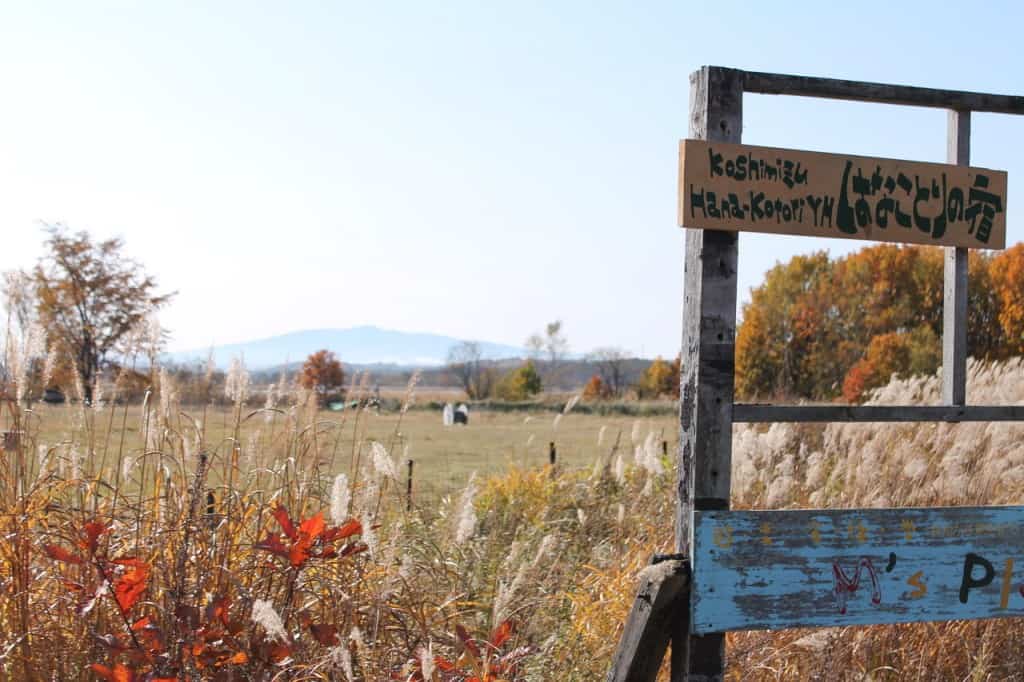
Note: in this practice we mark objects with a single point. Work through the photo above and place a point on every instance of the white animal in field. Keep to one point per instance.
(462, 414)
(448, 415)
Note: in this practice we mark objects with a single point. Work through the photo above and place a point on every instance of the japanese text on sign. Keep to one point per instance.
(761, 189)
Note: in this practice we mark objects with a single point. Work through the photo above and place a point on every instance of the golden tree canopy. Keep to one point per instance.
(89, 297)
(322, 373)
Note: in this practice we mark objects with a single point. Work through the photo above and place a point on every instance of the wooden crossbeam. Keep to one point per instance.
(753, 413)
(879, 93)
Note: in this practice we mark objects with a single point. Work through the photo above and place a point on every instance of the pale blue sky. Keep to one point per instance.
(468, 169)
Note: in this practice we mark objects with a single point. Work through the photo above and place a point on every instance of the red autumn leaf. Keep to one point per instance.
(272, 543)
(302, 542)
(326, 634)
(345, 530)
(141, 623)
(93, 530)
(300, 551)
(58, 553)
(128, 588)
(501, 634)
(443, 663)
(311, 539)
(467, 640)
(313, 526)
(281, 514)
(118, 674)
(273, 652)
(217, 610)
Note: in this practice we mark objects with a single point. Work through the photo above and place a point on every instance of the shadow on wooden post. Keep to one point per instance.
(663, 597)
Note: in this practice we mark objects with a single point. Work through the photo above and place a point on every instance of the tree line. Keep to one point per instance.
(614, 372)
(822, 328)
(817, 328)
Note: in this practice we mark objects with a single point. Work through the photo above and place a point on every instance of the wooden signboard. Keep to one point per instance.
(784, 569)
(738, 187)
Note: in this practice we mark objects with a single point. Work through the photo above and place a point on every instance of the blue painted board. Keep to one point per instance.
(817, 568)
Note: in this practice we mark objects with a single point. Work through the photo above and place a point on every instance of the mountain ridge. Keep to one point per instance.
(365, 344)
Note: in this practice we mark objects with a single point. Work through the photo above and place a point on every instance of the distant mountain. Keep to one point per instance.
(358, 345)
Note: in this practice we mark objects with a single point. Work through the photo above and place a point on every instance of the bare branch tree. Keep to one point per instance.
(467, 364)
(611, 367)
(549, 349)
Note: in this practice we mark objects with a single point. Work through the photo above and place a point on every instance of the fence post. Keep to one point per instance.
(954, 276)
(706, 391)
(408, 487)
(552, 453)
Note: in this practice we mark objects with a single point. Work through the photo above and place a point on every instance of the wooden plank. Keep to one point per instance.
(755, 413)
(661, 597)
(954, 289)
(823, 568)
(709, 335)
(882, 93)
(785, 191)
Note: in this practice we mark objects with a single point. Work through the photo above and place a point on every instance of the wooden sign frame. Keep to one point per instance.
(766, 570)
(661, 612)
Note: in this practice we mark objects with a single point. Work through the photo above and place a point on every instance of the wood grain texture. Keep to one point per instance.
(882, 93)
(660, 598)
(954, 277)
(757, 413)
(815, 194)
(708, 348)
(825, 568)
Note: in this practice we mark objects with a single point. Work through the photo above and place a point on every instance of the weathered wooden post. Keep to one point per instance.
(552, 454)
(954, 290)
(408, 487)
(709, 335)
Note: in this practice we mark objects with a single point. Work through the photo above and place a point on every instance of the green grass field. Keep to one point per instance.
(444, 457)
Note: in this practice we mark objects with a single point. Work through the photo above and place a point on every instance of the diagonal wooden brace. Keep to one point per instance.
(662, 597)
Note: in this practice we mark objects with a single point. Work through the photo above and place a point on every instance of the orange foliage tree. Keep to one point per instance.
(660, 379)
(820, 328)
(322, 373)
(1007, 284)
(595, 389)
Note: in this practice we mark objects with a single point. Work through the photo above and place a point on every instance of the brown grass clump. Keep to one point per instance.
(861, 465)
(284, 549)
(164, 555)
